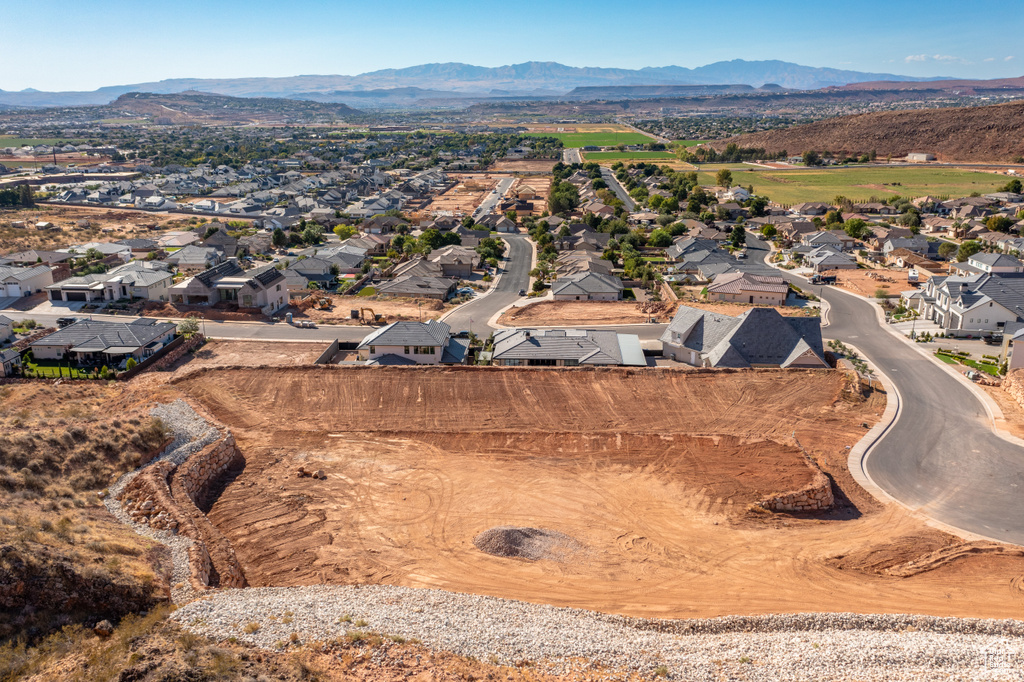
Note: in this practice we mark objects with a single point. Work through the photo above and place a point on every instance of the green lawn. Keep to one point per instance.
(859, 184)
(621, 156)
(367, 291)
(652, 259)
(49, 368)
(596, 139)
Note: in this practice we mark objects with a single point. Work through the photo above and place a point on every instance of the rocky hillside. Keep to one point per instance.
(990, 134)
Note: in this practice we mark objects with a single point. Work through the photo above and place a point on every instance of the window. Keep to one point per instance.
(571, 363)
(423, 350)
(512, 363)
(279, 287)
(406, 351)
(542, 362)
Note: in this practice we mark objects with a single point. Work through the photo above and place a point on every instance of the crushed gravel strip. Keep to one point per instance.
(784, 647)
(191, 434)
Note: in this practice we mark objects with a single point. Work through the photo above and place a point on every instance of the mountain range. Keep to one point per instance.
(456, 80)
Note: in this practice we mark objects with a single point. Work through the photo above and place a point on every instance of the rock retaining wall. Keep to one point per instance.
(816, 496)
(167, 497)
(1013, 384)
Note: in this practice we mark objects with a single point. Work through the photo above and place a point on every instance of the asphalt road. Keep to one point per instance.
(572, 155)
(493, 198)
(473, 316)
(941, 457)
(620, 191)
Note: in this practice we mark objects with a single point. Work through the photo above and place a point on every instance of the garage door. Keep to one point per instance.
(11, 290)
(77, 296)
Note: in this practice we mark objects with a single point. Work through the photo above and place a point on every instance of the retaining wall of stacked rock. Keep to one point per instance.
(815, 496)
(1013, 383)
(168, 497)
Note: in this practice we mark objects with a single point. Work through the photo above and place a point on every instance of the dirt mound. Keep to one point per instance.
(532, 544)
(990, 133)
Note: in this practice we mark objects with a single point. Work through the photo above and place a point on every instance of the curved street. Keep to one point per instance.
(942, 456)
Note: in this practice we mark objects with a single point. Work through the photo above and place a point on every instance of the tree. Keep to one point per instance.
(467, 222)
(724, 178)
(856, 228)
(811, 158)
(769, 231)
(758, 207)
(279, 238)
(1012, 186)
(188, 327)
(489, 247)
(211, 230)
(833, 218)
(947, 249)
(344, 231)
(563, 197)
(312, 234)
(25, 196)
(738, 236)
(967, 249)
(660, 238)
(130, 364)
(999, 223)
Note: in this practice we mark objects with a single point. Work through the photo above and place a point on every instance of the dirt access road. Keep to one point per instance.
(651, 472)
(579, 313)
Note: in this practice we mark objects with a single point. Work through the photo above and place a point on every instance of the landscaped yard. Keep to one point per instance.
(52, 368)
(859, 184)
(962, 359)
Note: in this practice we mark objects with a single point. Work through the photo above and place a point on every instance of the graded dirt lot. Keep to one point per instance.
(524, 165)
(868, 282)
(216, 353)
(650, 474)
(392, 309)
(463, 198)
(580, 313)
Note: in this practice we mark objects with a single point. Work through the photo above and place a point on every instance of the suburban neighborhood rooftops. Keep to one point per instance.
(737, 282)
(8, 272)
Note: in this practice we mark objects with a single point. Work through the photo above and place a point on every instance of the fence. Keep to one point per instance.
(152, 359)
(332, 350)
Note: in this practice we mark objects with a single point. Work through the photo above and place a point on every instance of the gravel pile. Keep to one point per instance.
(789, 647)
(527, 543)
(191, 434)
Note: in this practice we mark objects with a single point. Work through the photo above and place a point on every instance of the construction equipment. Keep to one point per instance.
(367, 316)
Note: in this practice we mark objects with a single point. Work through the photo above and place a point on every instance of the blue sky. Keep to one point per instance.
(85, 44)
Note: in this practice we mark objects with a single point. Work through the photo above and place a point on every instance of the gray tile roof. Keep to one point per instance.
(8, 272)
(586, 346)
(760, 336)
(416, 286)
(98, 336)
(409, 333)
(587, 283)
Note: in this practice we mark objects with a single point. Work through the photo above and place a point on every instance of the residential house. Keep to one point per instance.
(10, 362)
(412, 286)
(6, 328)
(587, 286)
(140, 248)
(996, 263)
(742, 287)
(148, 280)
(16, 282)
(96, 343)
(811, 208)
(413, 343)
(222, 241)
(968, 304)
(760, 337)
(195, 258)
(455, 261)
(262, 288)
(566, 348)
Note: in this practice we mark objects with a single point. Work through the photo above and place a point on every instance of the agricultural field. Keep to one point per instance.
(622, 156)
(859, 184)
(597, 138)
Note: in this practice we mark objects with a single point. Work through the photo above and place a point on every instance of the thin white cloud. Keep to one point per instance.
(1010, 58)
(989, 59)
(934, 58)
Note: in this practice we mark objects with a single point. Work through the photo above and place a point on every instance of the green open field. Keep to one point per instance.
(621, 156)
(11, 141)
(597, 139)
(859, 184)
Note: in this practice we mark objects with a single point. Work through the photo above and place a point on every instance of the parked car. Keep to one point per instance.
(522, 292)
(66, 321)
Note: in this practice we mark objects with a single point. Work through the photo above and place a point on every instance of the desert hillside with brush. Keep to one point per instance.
(979, 134)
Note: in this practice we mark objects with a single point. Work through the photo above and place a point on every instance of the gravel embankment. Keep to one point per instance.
(191, 434)
(788, 647)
